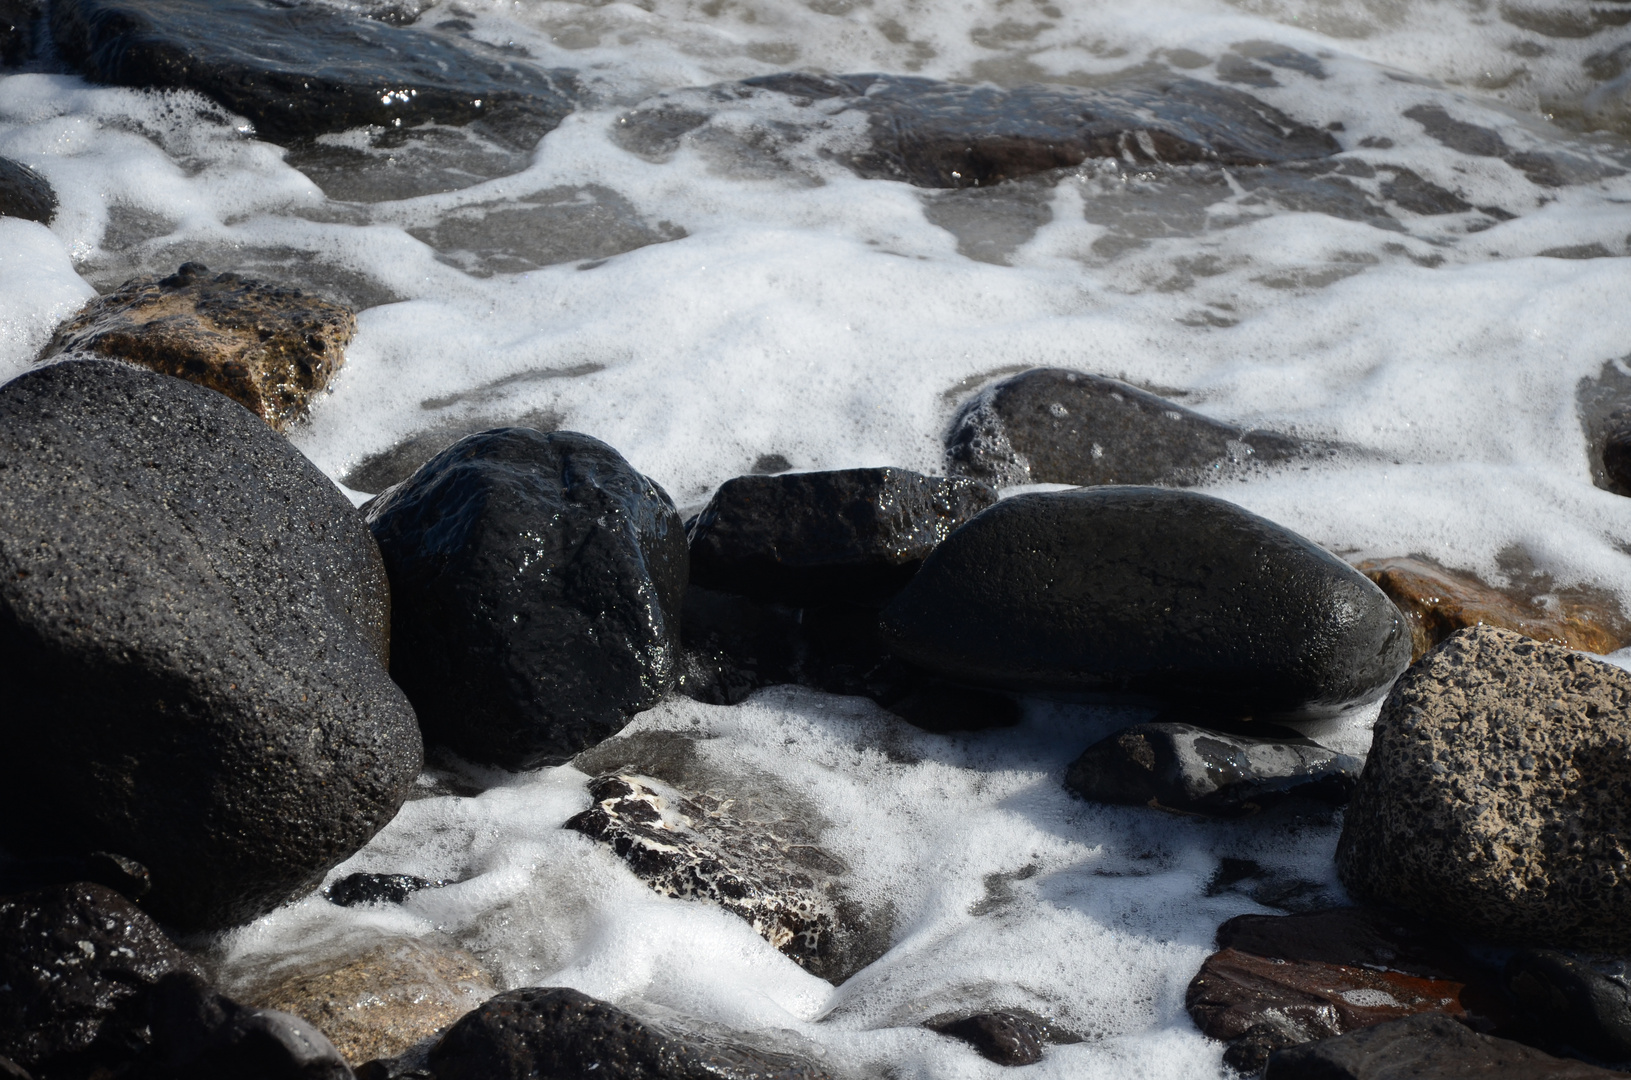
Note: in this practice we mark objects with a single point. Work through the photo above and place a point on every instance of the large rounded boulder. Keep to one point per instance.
(192, 635)
(1149, 592)
(536, 581)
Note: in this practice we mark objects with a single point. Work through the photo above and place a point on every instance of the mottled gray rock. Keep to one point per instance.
(1148, 592)
(1566, 1004)
(26, 194)
(1008, 1038)
(192, 635)
(1199, 770)
(1053, 426)
(1425, 1047)
(1498, 788)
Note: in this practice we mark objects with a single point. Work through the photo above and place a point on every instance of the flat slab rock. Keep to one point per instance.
(1427, 1047)
(25, 194)
(302, 70)
(1055, 426)
(1498, 791)
(268, 347)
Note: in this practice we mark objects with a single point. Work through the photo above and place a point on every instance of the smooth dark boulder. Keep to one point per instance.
(1053, 426)
(1008, 1038)
(25, 194)
(850, 535)
(192, 634)
(1564, 1003)
(536, 582)
(1427, 1047)
(1199, 770)
(1153, 593)
(555, 1031)
(302, 70)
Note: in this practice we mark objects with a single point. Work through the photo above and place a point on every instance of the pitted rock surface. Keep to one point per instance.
(696, 847)
(267, 347)
(1498, 788)
(24, 193)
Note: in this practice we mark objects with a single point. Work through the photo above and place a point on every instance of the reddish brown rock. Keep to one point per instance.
(267, 347)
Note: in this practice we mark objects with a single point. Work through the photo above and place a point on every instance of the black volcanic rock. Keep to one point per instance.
(1566, 1003)
(201, 1034)
(845, 536)
(26, 194)
(1004, 1037)
(1429, 1046)
(1149, 592)
(192, 633)
(302, 70)
(536, 583)
(1053, 426)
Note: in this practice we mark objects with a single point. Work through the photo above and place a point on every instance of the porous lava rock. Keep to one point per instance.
(78, 966)
(1498, 787)
(1008, 1038)
(1150, 592)
(24, 193)
(1054, 426)
(1282, 980)
(555, 1031)
(849, 535)
(699, 847)
(363, 888)
(1565, 1004)
(302, 70)
(1199, 770)
(267, 347)
(192, 636)
(536, 582)
(1426, 1047)
(1437, 602)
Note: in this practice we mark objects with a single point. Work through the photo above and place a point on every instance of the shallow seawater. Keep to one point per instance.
(1436, 300)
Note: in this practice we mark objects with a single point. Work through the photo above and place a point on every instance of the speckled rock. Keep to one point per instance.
(24, 193)
(165, 700)
(1428, 1047)
(1498, 788)
(269, 348)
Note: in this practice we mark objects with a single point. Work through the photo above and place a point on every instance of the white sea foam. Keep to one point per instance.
(831, 320)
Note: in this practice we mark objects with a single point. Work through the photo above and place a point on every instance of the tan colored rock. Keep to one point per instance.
(382, 1001)
(1437, 602)
(268, 347)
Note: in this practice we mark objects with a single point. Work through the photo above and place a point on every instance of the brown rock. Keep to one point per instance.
(1437, 602)
(269, 348)
(382, 1001)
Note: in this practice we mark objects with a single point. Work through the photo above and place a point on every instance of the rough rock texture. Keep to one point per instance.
(201, 1034)
(1053, 426)
(698, 847)
(943, 135)
(269, 348)
(850, 535)
(1198, 770)
(1498, 787)
(1566, 1005)
(78, 964)
(1437, 602)
(383, 1001)
(360, 888)
(298, 71)
(1147, 591)
(1008, 1038)
(536, 583)
(1282, 980)
(550, 1031)
(24, 193)
(1429, 1047)
(166, 701)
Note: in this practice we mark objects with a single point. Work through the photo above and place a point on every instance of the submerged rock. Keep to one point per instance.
(268, 347)
(536, 582)
(1053, 426)
(24, 193)
(302, 70)
(1428, 1047)
(554, 1031)
(1437, 602)
(850, 535)
(1565, 1004)
(1198, 770)
(194, 655)
(1143, 591)
(1498, 791)
(1008, 1038)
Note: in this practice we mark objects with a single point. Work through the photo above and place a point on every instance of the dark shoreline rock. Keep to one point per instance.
(1424, 1047)
(25, 194)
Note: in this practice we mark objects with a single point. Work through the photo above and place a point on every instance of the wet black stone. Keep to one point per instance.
(1458, 134)
(1168, 595)
(536, 582)
(1054, 426)
(552, 1031)
(19, 20)
(1428, 1046)
(1421, 196)
(26, 194)
(78, 967)
(1004, 1037)
(193, 654)
(1566, 1004)
(10, 1070)
(124, 876)
(301, 70)
(1204, 771)
(846, 536)
(201, 1034)
(359, 888)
